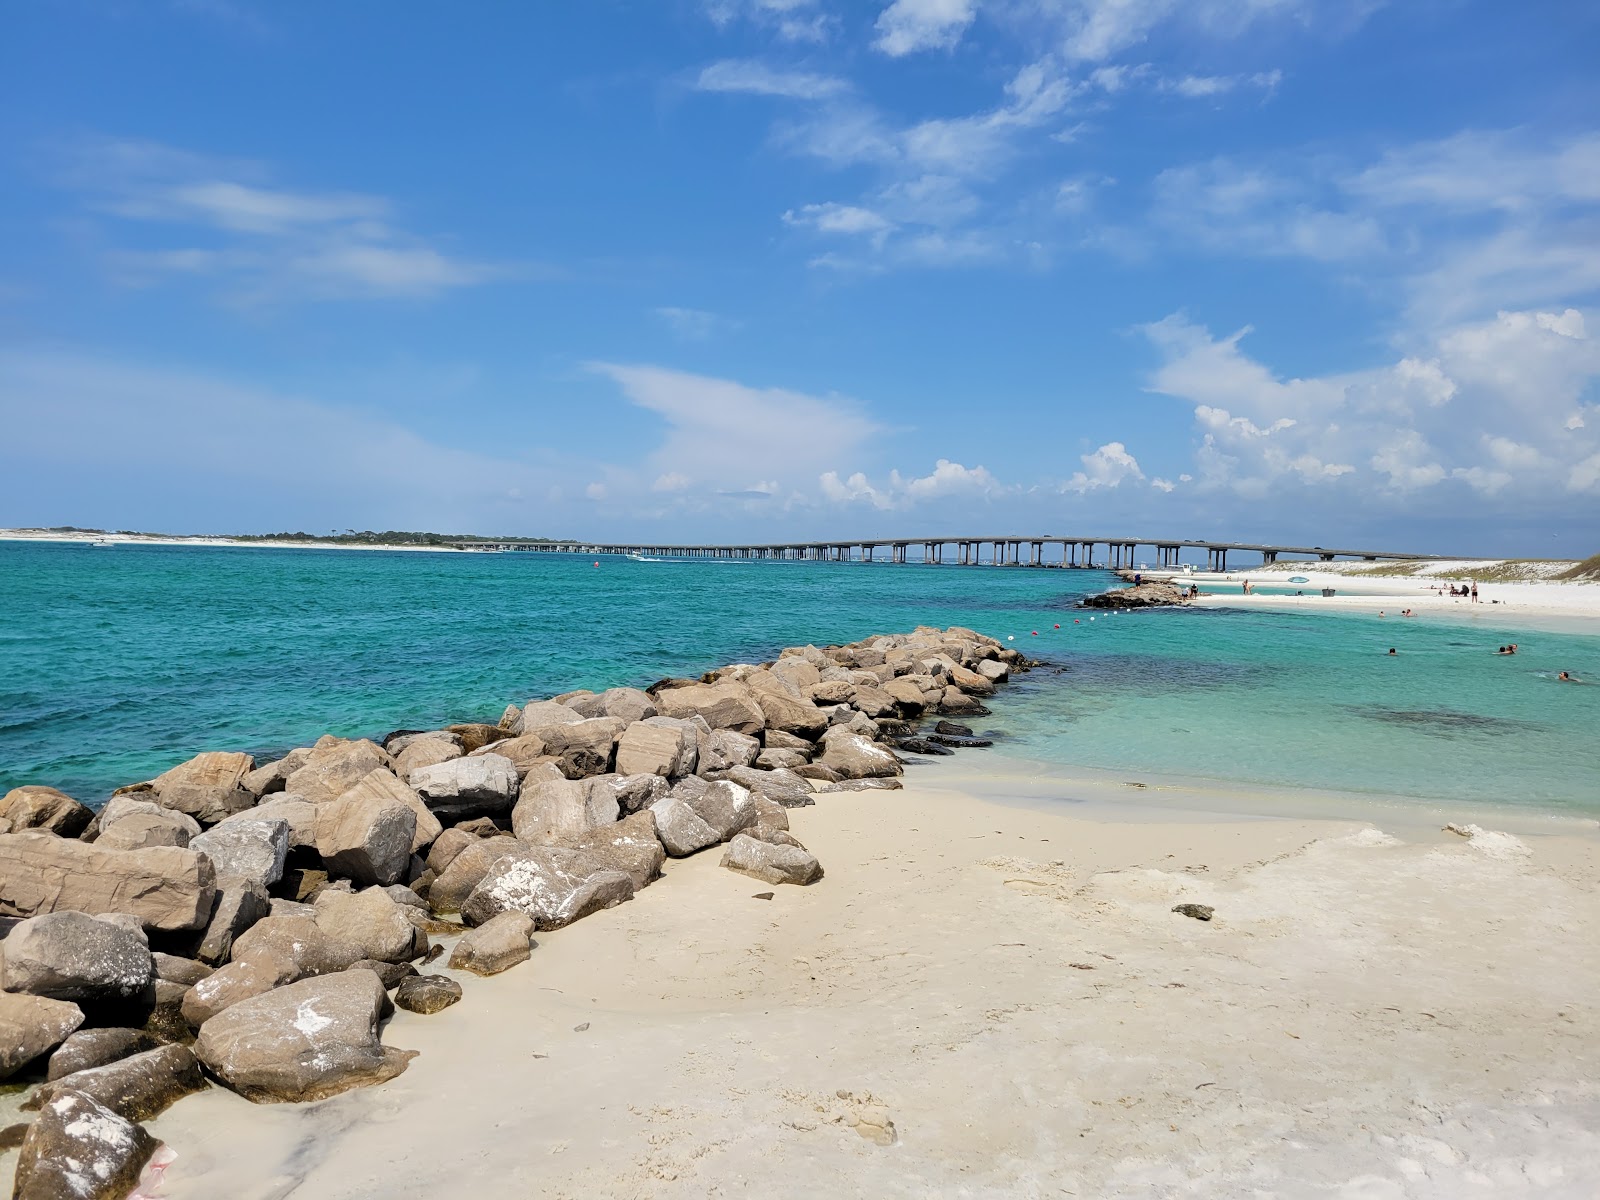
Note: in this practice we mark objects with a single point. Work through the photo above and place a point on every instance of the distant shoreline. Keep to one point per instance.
(165, 539)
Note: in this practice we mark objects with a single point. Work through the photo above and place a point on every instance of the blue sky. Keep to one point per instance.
(779, 268)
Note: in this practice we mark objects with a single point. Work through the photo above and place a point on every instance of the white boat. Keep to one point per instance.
(102, 543)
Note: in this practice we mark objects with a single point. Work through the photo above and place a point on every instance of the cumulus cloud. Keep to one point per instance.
(900, 492)
(1108, 467)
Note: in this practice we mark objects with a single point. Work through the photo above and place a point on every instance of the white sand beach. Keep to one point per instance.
(983, 999)
(87, 537)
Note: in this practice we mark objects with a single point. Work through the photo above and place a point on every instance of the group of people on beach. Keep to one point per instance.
(1463, 592)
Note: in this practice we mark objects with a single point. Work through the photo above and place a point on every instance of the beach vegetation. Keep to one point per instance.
(1588, 569)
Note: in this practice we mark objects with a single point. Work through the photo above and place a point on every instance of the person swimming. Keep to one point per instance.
(1393, 651)
(1565, 678)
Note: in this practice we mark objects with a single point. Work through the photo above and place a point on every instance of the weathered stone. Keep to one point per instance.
(561, 808)
(44, 808)
(656, 747)
(885, 784)
(726, 807)
(220, 769)
(499, 944)
(553, 885)
(446, 846)
(368, 924)
(874, 702)
(90, 1048)
(630, 846)
(585, 747)
(247, 849)
(681, 830)
(540, 715)
(386, 785)
(799, 717)
(777, 739)
(723, 749)
(475, 735)
(269, 780)
(426, 994)
(274, 951)
(204, 803)
(525, 752)
(773, 760)
(480, 785)
(305, 1041)
(178, 969)
(427, 751)
(511, 720)
(74, 956)
(723, 705)
(957, 703)
(974, 682)
(366, 835)
(818, 773)
(786, 787)
(333, 767)
(31, 1026)
(632, 792)
(907, 695)
(240, 904)
(80, 1149)
(127, 823)
(466, 871)
(137, 1086)
(301, 884)
(854, 757)
(993, 671)
(392, 974)
(1200, 912)
(772, 863)
(627, 704)
(832, 691)
(291, 908)
(294, 810)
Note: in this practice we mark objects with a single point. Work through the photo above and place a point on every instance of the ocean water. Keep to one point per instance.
(115, 664)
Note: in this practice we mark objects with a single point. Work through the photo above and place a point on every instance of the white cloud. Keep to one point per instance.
(1488, 406)
(1108, 467)
(279, 244)
(753, 77)
(1098, 30)
(1204, 86)
(790, 20)
(907, 26)
(845, 219)
(946, 480)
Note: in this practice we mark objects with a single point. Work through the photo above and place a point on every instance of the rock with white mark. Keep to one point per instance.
(304, 1041)
(553, 885)
(466, 870)
(138, 1087)
(77, 1149)
(855, 757)
(74, 956)
(681, 830)
(476, 786)
(247, 849)
(90, 1048)
(786, 787)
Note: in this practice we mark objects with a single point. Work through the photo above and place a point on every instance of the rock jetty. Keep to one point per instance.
(245, 924)
(1140, 595)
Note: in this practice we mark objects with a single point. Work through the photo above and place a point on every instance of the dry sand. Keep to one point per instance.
(1009, 988)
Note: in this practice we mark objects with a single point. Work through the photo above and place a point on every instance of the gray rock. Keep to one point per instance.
(367, 834)
(770, 862)
(426, 994)
(385, 785)
(774, 760)
(247, 849)
(90, 1048)
(481, 785)
(294, 810)
(74, 956)
(681, 830)
(1200, 912)
(499, 944)
(885, 784)
(631, 846)
(723, 749)
(633, 793)
(178, 969)
(240, 904)
(466, 870)
(80, 1149)
(31, 1026)
(269, 780)
(137, 1087)
(726, 808)
(304, 1041)
(429, 750)
(783, 786)
(44, 808)
(854, 757)
(368, 924)
(553, 885)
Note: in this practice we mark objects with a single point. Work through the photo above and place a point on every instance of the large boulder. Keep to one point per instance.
(725, 807)
(783, 786)
(723, 749)
(799, 717)
(874, 702)
(427, 751)
(554, 809)
(723, 705)
(680, 829)
(770, 862)
(368, 924)
(627, 704)
(499, 944)
(466, 870)
(525, 752)
(632, 792)
(583, 748)
(856, 757)
(90, 1048)
(268, 780)
(657, 747)
(208, 786)
(44, 808)
(333, 767)
(128, 823)
(79, 1149)
(31, 1026)
(369, 833)
(781, 760)
(247, 849)
(294, 810)
(476, 786)
(973, 682)
(240, 904)
(165, 887)
(907, 695)
(630, 845)
(387, 785)
(553, 885)
(73, 956)
(304, 1041)
(275, 951)
(138, 1087)
(541, 715)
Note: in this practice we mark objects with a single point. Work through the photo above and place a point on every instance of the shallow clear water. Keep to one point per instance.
(114, 664)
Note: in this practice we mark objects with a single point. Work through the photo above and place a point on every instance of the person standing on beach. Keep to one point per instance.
(1474, 591)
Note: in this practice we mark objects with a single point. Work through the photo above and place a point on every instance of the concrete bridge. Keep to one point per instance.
(1043, 550)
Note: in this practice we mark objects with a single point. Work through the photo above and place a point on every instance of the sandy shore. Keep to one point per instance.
(139, 539)
(1365, 1017)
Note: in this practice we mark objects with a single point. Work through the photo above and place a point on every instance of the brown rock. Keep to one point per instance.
(475, 736)
(466, 870)
(549, 811)
(31, 1026)
(553, 885)
(333, 767)
(46, 809)
(90, 1048)
(770, 862)
(80, 1149)
(499, 944)
(723, 705)
(427, 994)
(799, 717)
(165, 887)
(138, 1087)
(630, 845)
(657, 747)
(369, 832)
(427, 751)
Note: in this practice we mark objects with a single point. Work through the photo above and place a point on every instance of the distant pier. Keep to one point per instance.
(1006, 551)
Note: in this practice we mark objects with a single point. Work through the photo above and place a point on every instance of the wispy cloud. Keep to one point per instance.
(908, 26)
(789, 20)
(693, 324)
(260, 241)
(754, 77)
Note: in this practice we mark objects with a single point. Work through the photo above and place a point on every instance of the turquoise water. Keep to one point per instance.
(114, 664)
